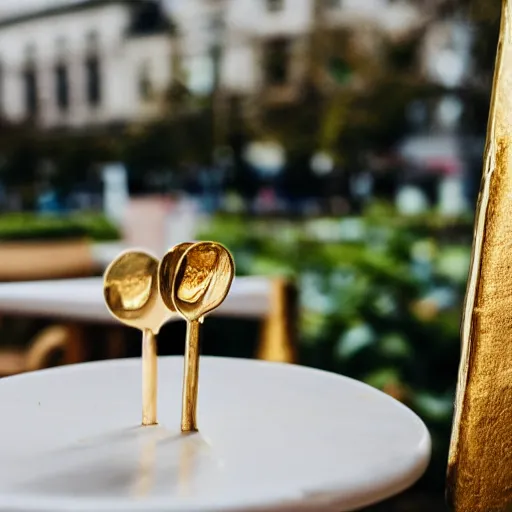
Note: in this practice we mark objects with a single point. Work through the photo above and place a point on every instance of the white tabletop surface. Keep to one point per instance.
(272, 438)
(82, 299)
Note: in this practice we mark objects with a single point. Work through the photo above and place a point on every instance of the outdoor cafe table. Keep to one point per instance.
(301, 439)
(272, 437)
(78, 302)
(82, 299)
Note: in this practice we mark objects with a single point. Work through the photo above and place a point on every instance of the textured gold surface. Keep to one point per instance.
(167, 273)
(197, 275)
(480, 460)
(277, 341)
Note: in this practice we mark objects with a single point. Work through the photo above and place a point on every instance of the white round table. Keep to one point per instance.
(273, 437)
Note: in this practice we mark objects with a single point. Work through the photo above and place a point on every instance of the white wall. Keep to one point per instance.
(249, 22)
(193, 18)
(246, 22)
(120, 60)
(446, 54)
(154, 53)
(253, 17)
(240, 70)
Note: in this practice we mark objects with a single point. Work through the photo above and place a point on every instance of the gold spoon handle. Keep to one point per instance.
(190, 379)
(149, 377)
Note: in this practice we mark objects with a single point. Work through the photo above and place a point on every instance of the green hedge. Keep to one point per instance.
(28, 226)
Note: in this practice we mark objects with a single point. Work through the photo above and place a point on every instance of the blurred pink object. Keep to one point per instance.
(145, 223)
(158, 222)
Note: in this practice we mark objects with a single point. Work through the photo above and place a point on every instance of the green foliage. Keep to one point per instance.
(380, 300)
(27, 226)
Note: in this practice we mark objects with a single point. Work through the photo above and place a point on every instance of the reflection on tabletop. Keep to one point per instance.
(135, 461)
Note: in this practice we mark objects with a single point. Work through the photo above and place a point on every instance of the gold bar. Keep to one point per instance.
(480, 459)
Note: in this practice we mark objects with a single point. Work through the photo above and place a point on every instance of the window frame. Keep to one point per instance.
(274, 6)
(30, 82)
(273, 50)
(61, 84)
(93, 71)
(145, 87)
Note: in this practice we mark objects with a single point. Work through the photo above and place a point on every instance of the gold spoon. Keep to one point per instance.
(130, 288)
(202, 279)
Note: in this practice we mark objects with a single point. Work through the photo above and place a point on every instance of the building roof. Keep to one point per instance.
(148, 15)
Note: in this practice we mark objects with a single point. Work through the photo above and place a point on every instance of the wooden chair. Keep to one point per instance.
(26, 261)
(276, 343)
(57, 343)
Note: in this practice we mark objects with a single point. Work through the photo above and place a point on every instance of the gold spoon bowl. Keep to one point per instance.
(203, 279)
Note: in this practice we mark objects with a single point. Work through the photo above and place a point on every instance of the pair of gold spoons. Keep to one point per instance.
(191, 280)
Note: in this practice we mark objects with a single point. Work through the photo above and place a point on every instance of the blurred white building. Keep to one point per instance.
(244, 35)
(77, 63)
(83, 63)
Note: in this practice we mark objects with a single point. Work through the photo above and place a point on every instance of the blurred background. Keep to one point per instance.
(335, 146)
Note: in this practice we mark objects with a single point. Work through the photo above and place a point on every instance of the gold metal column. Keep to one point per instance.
(277, 340)
(480, 460)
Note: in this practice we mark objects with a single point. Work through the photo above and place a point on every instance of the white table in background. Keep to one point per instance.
(82, 299)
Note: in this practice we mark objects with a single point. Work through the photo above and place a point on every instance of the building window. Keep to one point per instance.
(145, 85)
(61, 46)
(93, 71)
(1, 90)
(29, 78)
(62, 86)
(217, 24)
(60, 73)
(30, 86)
(332, 4)
(275, 5)
(277, 62)
(30, 53)
(92, 41)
